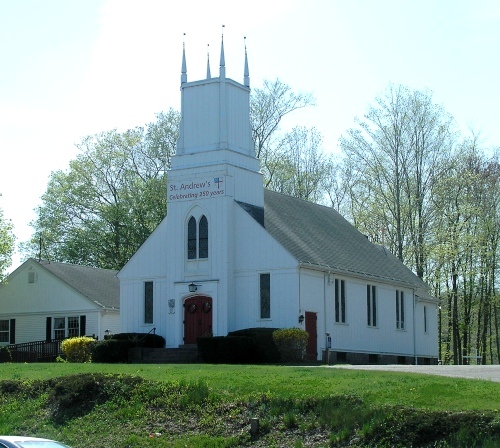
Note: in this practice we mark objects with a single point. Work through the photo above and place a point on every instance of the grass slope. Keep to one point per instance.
(207, 405)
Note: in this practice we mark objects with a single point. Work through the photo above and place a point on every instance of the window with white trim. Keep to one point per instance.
(400, 310)
(371, 305)
(339, 301)
(265, 296)
(59, 328)
(4, 330)
(148, 302)
(197, 238)
(66, 327)
(73, 327)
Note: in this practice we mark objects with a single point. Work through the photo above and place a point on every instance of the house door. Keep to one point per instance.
(312, 342)
(197, 318)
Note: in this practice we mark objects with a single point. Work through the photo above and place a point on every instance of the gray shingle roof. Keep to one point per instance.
(320, 236)
(101, 286)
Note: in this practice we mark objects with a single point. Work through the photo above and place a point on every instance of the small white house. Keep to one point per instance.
(44, 300)
(230, 255)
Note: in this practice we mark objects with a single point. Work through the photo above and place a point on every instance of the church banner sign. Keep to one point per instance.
(199, 188)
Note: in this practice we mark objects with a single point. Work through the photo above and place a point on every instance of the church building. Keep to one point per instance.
(232, 255)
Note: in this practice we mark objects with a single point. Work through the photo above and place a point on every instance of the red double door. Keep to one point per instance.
(197, 318)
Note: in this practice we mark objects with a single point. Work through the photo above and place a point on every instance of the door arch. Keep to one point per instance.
(197, 318)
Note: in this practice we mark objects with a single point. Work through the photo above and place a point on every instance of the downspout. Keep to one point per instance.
(414, 331)
(300, 296)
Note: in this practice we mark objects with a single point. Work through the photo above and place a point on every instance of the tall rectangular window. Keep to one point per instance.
(148, 302)
(425, 319)
(265, 296)
(59, 328)
(192, 247)
(371, 305)
(400, 310)
(339, 301)
(4, 330)
(73, 327)
(203, 237)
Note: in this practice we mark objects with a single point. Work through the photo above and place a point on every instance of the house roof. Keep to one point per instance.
(319, 236)
(101, 286)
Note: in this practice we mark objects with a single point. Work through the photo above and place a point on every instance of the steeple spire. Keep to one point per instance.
(246, 76)
(183, 69)
(208, 62)
(222, 68)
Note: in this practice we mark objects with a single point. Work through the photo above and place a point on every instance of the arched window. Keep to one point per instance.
(203, 235)
(197, 240)
(192, 246)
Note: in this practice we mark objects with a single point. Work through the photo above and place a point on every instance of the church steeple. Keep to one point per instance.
(246, 75)
(215, 115)
(222, 64)
(183, 69)
(209, 75)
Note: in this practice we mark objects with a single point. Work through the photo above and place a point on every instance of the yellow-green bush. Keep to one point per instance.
(78, 349)
(291, 343)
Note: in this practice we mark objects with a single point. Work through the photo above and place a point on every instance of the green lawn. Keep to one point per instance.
(235, 381)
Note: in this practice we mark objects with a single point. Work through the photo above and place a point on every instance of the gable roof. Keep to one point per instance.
(101, 286)
(320, 236)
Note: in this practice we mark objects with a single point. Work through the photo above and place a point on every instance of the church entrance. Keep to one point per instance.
(197, 318)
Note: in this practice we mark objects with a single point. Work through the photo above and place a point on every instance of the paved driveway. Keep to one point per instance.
(491, 373)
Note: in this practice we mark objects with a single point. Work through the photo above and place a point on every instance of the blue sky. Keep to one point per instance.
(74, 68)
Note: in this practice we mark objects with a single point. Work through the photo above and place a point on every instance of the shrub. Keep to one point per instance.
(265, 348)
(115, 348)
(226, 349)
(78, 349)
(147, 340)
(5, 355)
(291, 343)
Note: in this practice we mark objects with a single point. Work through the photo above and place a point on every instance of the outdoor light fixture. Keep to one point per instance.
(192, 287)
(301, 319)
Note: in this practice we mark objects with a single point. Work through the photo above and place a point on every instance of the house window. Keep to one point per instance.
(31, 277)
(148, 302)
(66, 327)
(197, 240)
(59, 328)
(400, 310)
(265, 296)
(73, 327)
(4, 331)
(371, 305)
(339, 301)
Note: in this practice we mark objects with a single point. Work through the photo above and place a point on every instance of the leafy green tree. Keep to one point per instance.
(300, 166)
(395, 153)
(7, 244)
(100, 210)
(268, 107)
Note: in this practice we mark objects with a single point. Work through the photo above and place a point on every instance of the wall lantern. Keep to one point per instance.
(192, 287)
(301, 319)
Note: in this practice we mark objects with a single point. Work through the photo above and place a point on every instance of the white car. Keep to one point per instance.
(29, 442)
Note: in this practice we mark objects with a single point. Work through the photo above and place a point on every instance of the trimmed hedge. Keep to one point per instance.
(115, 348)
(265, 347)
(248, 346)
(226, 349)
